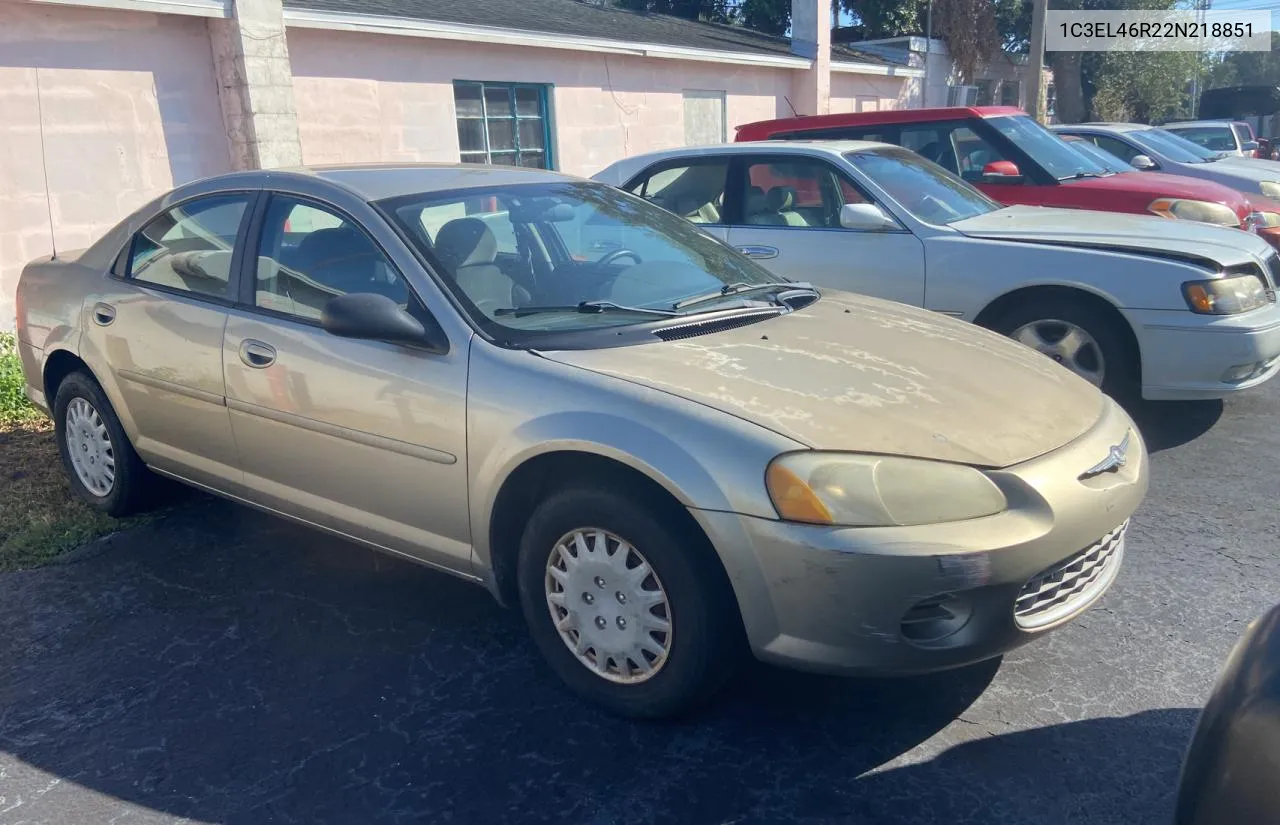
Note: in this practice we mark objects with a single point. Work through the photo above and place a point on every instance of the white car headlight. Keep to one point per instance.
(1270, 188)
(854, 490)
(1226, 296)
(1199, 211)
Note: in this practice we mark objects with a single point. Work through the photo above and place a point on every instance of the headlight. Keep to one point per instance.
(1225, 296)
(1270, 188)
(855, 490)
(1199, 211)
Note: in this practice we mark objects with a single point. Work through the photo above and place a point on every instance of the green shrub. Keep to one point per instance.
(14, 406)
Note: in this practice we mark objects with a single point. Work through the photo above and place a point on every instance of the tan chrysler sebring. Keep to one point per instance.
(664, 454)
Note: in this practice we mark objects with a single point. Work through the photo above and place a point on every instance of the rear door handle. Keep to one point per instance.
(103, 314)
(759, 251)
(257, 354)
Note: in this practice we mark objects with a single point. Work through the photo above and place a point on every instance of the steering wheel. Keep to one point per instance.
(616, 254)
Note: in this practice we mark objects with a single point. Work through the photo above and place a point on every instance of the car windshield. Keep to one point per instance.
(1177, 149)
(1212, 138)
(926, 190)
(1102, 156)
(535, 260)
(1047, 149)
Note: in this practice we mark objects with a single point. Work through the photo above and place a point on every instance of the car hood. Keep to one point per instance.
(1161, 185)
(1115, 230)
(1244, 169)
(855, 373)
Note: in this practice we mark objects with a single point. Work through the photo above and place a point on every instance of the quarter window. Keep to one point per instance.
(310, 255)
(189, 248)
(503, 123)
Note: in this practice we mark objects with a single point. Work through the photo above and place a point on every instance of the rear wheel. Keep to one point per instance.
(100, 462)
(630, 614)
(1081, 337)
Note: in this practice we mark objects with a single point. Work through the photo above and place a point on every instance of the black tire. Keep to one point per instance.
(133, 483)
(1120, 356)
(706, 637)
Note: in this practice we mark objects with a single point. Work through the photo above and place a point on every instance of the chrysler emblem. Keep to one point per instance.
(1116, 458)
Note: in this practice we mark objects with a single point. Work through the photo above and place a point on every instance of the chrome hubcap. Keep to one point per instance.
(89, 445)
(1069, 345)
(608, 605)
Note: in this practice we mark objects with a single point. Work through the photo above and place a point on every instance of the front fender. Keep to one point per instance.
(521, 406)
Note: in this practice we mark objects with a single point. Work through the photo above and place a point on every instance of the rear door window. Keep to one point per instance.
(190, 247)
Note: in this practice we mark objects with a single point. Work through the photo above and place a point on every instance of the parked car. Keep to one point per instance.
(663, 456)
(1230, 769)
(1174, 309)
(1151, 149)
(1232, 137)
(1015, 160)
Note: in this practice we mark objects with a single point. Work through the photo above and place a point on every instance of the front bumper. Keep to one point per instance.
(1188, 357)
(835, 599)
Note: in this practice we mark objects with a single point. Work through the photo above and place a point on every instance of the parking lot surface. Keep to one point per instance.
(220, 665)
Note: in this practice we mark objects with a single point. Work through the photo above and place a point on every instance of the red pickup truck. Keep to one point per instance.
(1015, 160)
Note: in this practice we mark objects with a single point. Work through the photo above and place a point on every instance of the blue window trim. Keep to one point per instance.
(544, 106)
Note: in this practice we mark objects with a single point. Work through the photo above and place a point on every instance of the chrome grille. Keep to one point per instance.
(1070, 585)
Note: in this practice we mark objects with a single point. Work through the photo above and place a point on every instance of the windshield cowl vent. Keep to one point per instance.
(692, 329)
(798, 298)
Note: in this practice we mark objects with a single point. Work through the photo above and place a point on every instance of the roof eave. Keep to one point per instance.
(440, 30)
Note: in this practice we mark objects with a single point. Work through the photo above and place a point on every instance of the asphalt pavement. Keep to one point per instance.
(219, 665)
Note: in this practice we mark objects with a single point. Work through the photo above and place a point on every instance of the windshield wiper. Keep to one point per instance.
(1081, 176)
(740, 288)
(585, 307)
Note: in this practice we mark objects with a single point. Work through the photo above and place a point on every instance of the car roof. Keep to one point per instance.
(376, 181)
(1113, 127)
(801, 147)
(1223, 122)
(882, 117)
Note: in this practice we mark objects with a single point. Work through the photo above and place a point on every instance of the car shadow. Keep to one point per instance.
(220, 665)
(1168, 424)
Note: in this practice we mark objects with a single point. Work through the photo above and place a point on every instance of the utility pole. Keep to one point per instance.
(928, 55)
(1036, 59)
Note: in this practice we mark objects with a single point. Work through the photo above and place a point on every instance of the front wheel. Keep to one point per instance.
(1083, 338)
(630, 614)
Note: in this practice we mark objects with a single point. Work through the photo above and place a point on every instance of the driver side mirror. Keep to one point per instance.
(1142, 163)
(1249, 146)
(372, 317)
(1001, 171)
(867, 217)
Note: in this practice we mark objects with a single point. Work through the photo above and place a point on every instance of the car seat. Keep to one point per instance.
(469, 251)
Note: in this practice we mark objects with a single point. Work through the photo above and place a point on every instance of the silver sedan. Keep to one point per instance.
(664, 454)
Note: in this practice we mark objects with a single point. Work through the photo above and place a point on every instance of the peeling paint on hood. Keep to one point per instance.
(1114, 230)
(850, 372)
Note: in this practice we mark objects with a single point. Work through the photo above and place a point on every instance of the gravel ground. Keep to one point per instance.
(218, 665)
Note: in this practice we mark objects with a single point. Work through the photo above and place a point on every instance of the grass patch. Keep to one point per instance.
(40, 518)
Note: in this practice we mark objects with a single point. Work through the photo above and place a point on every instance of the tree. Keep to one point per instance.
(771, 16)
(1247, 68)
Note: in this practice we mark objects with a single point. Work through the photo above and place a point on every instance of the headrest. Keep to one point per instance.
(326, 246)
(781, 197)
(466, 242)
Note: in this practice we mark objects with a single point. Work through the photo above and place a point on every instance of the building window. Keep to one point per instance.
(503, 123)
(986, 92)
(1011, 93)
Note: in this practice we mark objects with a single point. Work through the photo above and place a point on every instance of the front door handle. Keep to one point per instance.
(103, 314)
(257, 354)
(759, 251)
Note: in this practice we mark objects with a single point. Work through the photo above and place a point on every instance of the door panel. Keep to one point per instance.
(164, 354)
(790, 224)
(359, 436)
(886, 265)
(364, 437)
(158, 328)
